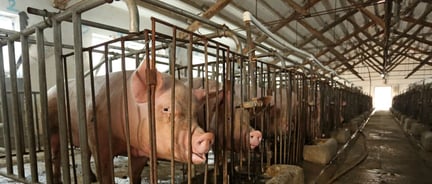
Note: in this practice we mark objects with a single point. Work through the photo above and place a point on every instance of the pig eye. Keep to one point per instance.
(166, 110)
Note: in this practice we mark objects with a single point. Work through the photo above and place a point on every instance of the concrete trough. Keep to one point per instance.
(341, 135)
(426, 140)
(284, 174)
(417, 129)
(407, 123)
(321, 152)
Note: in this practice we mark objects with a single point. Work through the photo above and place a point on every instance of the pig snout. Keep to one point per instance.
(200, 146)
(255, 138)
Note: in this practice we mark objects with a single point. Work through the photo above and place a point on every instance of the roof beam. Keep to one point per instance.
(287, 20)
(413, 37)
(419, 66)
(369, 14)
(329, 42)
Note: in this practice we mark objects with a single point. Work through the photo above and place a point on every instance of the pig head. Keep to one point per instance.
(244, 136)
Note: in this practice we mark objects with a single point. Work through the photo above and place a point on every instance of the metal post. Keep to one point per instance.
(5, 113)
(44, 104)
(28, 108)
(189, 62)
(61, 101)
(81, 101)
(19, 144)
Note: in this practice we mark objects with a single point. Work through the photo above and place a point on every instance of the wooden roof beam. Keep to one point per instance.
(426, 60)
(287, 20)
(369, 14)
(413, 37)
(329, 42)
(405, 49)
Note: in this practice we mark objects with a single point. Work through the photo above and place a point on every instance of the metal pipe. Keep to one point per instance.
(172, 56)
(248, 17)
(108, 98)
(190, 15)
(44, 103)
(228, 33)
(61, 110)
(19, 144)
(133, 16)
(80, 91)
(28, 108)
(65, 15)
(151, 105)
(5, 120)
(189, 112)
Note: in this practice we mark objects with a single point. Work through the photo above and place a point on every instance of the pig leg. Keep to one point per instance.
(93, 177)
(55, 157)
(103, 161)
(138, 164)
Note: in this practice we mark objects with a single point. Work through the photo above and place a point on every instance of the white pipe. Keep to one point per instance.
(248, 17)
(133, 16)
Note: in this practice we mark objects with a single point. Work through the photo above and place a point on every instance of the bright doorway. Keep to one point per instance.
(382, 98)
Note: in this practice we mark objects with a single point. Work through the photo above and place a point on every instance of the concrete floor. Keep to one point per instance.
(393, 156)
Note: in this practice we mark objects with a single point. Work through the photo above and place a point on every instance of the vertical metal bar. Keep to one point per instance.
(226, 112)
(28, 108)
(44, 104)
(94, 115)
(108, 98)
(68, 117)
(207, 108)
(19, 144)
(5, 116)
(172, 117)
(151, 105)
(216, 152)
(81, 101)
(126, 102)
(36, 116)
(189, 70)
(61, 101)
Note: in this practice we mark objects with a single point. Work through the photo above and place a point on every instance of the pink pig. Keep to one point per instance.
(138, 122)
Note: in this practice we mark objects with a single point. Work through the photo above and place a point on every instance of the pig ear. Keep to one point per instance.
(139, 82)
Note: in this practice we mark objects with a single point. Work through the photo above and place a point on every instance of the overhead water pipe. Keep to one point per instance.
(247, 16)
(190, 15)
(133, 16)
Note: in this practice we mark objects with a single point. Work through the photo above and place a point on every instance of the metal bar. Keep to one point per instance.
(216, 114)
(68, 116)
(36, 114)
(66, 14)
(19, 144)
(28, 108)
(207, 107)
(5, 116)
(44, 104)
(189, 115)
(80, 91)
(227, 106)
(126, 105)
(60, 104)
(172, 117)
(94, 115)
(108, 98)
(151, 105)
(45, 13)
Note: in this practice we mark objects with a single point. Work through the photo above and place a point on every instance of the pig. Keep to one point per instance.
(278, 112)
(248, 137)
(137, 100)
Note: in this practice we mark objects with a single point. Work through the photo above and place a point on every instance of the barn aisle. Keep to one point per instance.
(393, 157)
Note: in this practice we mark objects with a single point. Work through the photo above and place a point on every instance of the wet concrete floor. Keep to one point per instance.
(393, 156)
